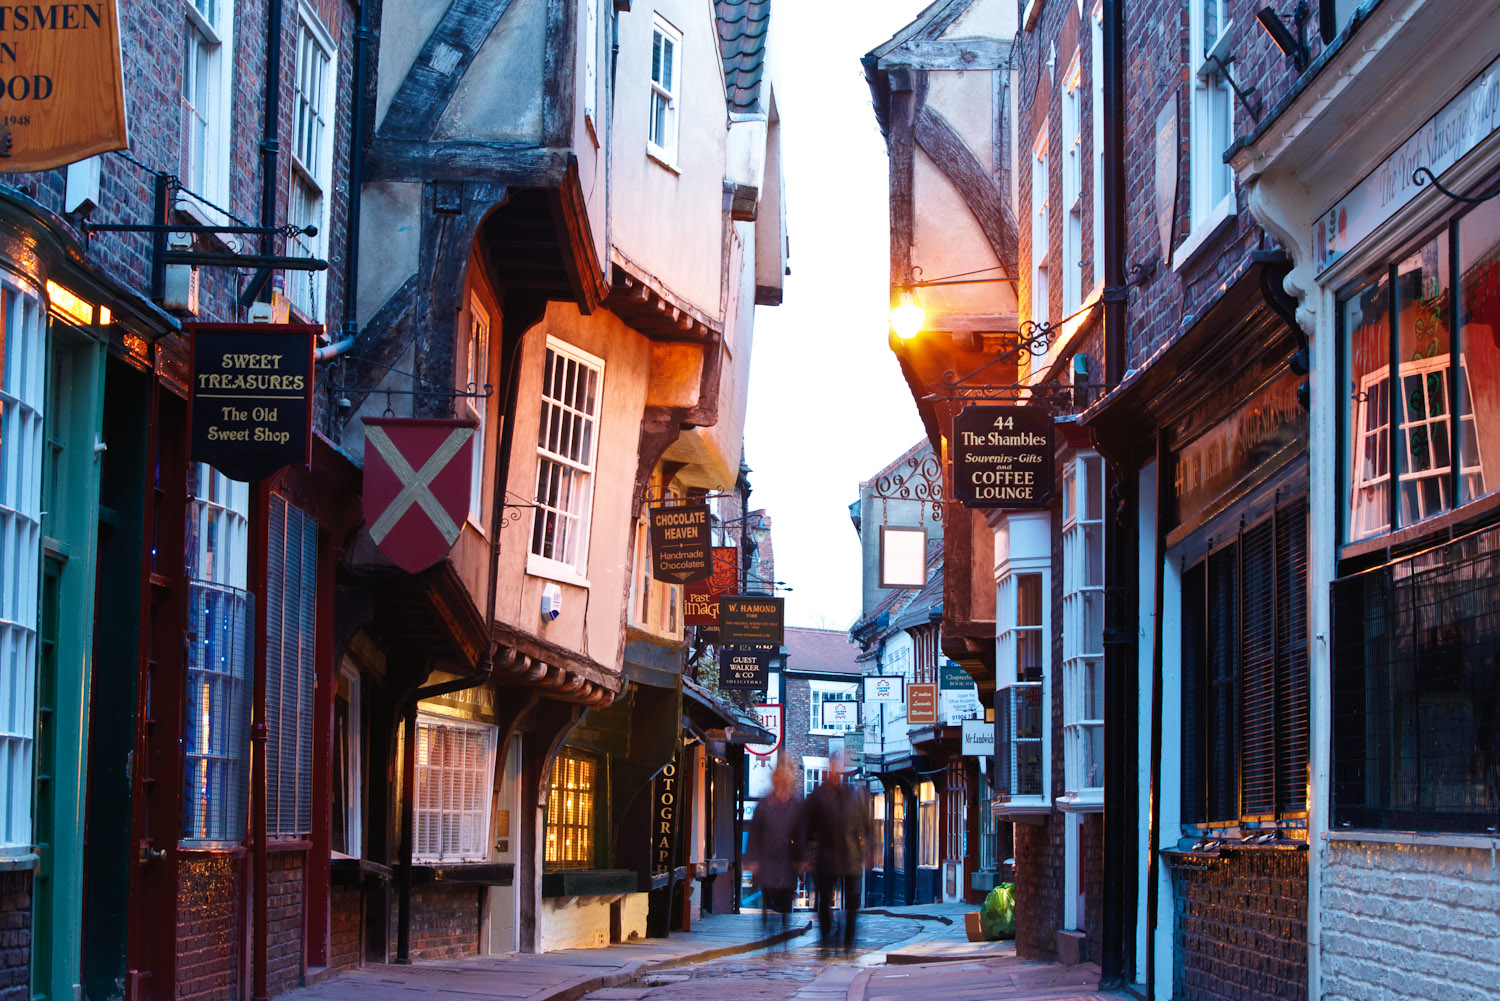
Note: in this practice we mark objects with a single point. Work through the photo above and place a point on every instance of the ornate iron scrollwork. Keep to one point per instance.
(919, 478)
(1416, 178)
(1034, 340)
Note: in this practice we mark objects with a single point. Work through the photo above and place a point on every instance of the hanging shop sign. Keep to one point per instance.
(417, 486)
(744, 667)
(838, 713)
(854, 750)
(681, 545)
(885, 688)
(1002, 457)
(251, 396)
(665, 793)
(700, 602)
(751, 620)
(921, 704)
(1168, 162)
(62, 98)
(769, 718)
(958, 695)
(978, 738)
(1462, 124)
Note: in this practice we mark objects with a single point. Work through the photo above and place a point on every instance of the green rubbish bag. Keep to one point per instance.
(997, 917)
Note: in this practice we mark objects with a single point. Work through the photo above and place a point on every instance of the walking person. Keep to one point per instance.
(838, 826)
(777, 843)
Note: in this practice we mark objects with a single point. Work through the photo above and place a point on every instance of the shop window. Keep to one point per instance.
(1415, 676)
(567, 441)
(23, 354)
(312, 160)
(820, 692)
(928, 824)
(1417, 447)
(1211, 117)
(291, 674)
(956, 813)
(814, 771)
(1244, 676)
(348, 766)
(455, 780)
(1072, 190)
(570, 812)
(477, 376)
(216, 728)
(1022, 645)
(207, 72)
(877, 819)
(1083, 627)
(661, 131)
(898, 828)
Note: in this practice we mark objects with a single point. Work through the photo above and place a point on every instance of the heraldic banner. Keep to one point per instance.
(417, 481)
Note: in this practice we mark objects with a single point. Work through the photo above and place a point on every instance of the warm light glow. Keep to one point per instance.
(65, 301)
(104, 316)
(907, 317)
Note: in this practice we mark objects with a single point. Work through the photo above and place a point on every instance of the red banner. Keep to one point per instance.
(701, 601)
(417, 479)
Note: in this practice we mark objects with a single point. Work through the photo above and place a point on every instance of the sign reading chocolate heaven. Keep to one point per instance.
(750, 620)
(744, 667)
(1002, 457)
(682, 551)
(251, 396)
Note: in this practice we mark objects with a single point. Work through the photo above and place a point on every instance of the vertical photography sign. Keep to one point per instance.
(682, 550)
(251, 397)
(1002, 457)
(61, 93)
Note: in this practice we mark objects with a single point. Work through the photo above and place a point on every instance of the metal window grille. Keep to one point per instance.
(23, 358)
(1083, 623)
(1416, 738)
(570, 812)
(291, 675)
(1244, 659)
(455, 777)
(566, 443)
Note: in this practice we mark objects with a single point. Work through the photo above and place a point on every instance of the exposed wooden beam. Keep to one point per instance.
(985, 200)
(423, 95)
(461, 160)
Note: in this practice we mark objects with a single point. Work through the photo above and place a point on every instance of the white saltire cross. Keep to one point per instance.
(416, 484)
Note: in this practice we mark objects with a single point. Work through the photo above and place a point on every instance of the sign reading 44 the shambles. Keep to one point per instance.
(1002, 457)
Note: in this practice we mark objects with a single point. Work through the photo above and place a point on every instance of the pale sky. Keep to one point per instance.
(828, 407)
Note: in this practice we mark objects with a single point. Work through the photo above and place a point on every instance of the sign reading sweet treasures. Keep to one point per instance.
(61, 94)
(681, 549)
(1002, 457)
(251, 396)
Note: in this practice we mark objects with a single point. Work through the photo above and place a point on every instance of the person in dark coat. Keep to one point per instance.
(839, 828)
(776, 844)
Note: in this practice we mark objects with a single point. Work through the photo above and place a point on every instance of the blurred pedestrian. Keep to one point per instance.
(838, 825)
(777, 843)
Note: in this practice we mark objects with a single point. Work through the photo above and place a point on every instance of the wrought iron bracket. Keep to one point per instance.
(919, 478)
(1416, 178)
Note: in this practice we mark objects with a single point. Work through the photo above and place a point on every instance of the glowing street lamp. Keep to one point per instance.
(907, 316)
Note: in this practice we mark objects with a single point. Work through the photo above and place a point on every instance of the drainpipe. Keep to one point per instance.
(1164, 502)
(1120, 684)
(350, 331)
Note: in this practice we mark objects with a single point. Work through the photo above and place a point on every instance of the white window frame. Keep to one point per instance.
(1096, 125)
(1083, 630)
(814, 771)
(1041, 291)
(591, 67)
(213, 21)
(665, 93)
(477, 376)
(1020, 528)
(23, 341)
(573, 566)
(655, 605)
(819, 692)
(1210, 129)
(467, 801)
(1072, 193)
(312, 159)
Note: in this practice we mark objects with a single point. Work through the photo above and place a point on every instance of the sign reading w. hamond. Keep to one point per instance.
(681, 545)
(1002, 457)
(751, 620)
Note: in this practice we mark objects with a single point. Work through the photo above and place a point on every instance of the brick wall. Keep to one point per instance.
(15, 936)
(1408, 921)
(1039, 887)
(345, 939)
(210, 928)
(1093, 883)
(444, 921)
(284, 898)
(1240, 926)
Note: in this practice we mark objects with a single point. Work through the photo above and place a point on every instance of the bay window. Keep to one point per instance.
(1083, 628)
(1023, 645)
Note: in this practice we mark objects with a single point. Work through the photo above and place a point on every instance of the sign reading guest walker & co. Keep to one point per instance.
(1002, 457)
(251, 396)
(61, 95)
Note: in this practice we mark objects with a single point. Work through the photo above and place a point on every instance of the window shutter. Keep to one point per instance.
(291, 673)
(1221, 681)
(275, 659)
(1194, 747)
(1291, 668)
(1259, 668)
